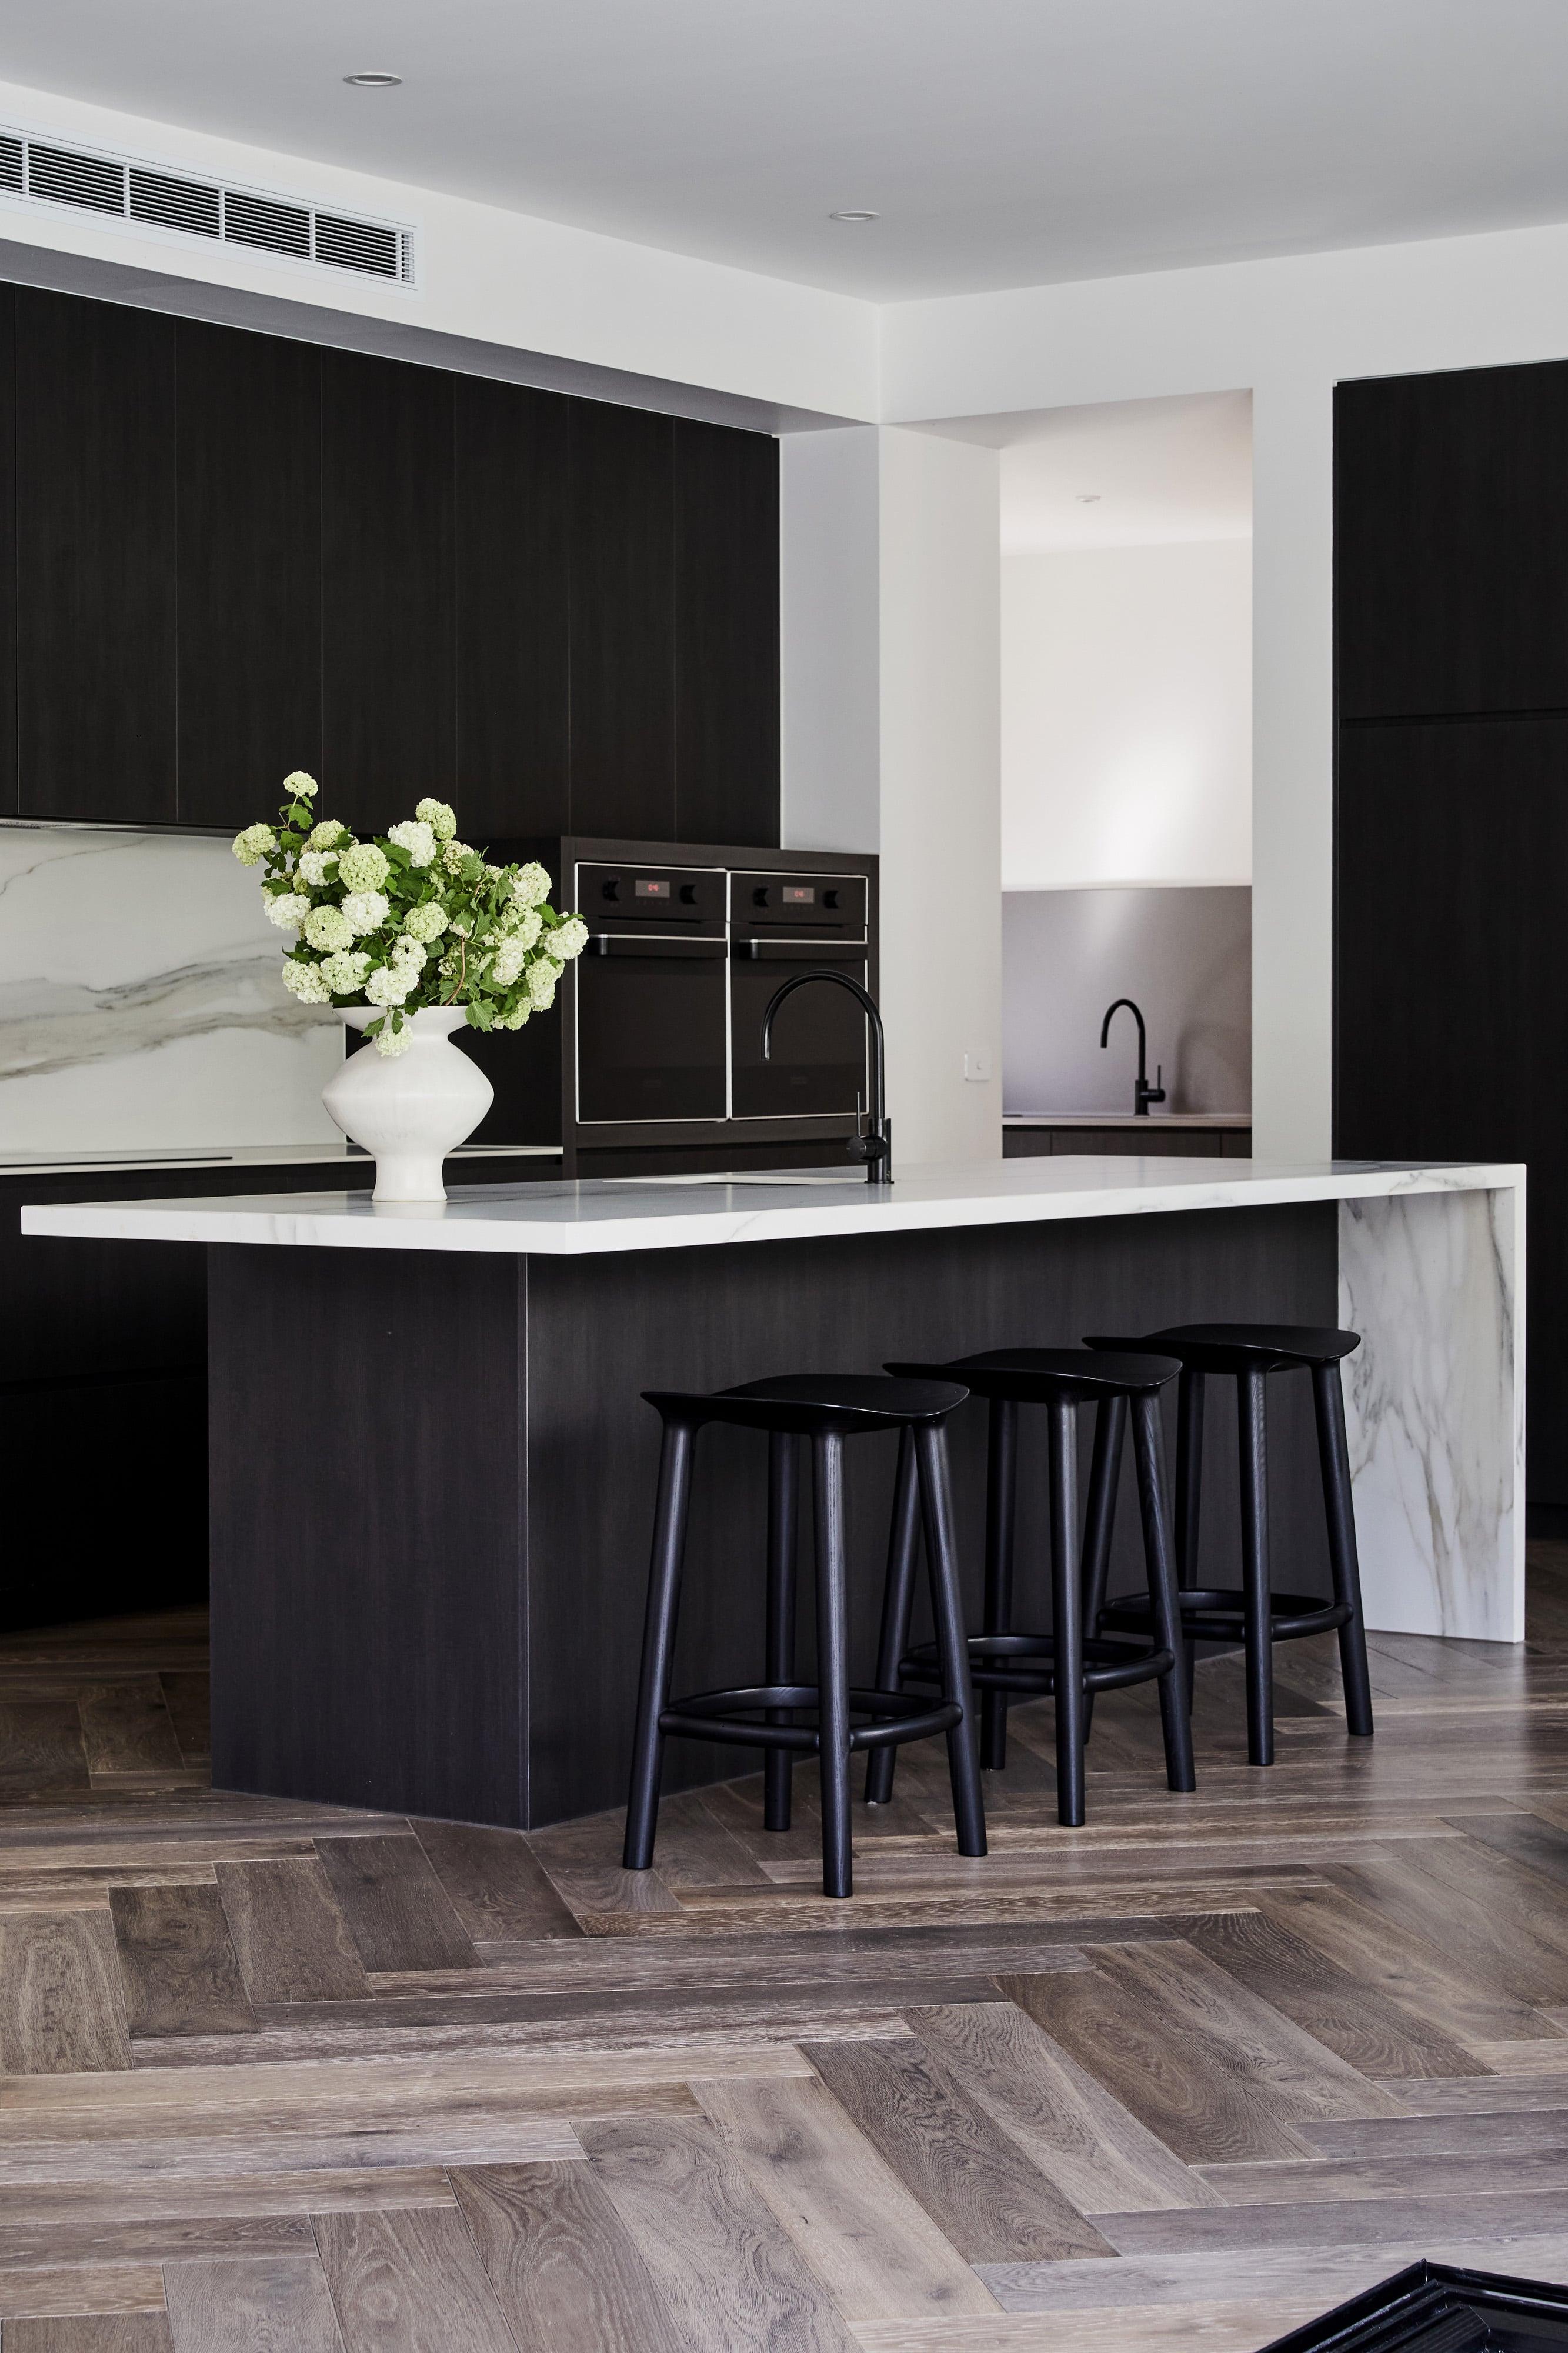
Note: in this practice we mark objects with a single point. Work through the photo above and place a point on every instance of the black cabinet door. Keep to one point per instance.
(1451, 543)
(513, 717)
(387, 590)
(623, 623)
(726, 635)
(249, 570)
(8, 795)
(95, 545)
(1451, 985)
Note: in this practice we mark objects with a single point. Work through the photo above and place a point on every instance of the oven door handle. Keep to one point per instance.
(615, 944)
(795, 951)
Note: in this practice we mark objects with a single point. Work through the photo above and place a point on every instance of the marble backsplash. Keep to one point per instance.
(141, 1005)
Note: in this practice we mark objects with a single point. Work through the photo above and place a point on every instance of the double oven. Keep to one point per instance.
(681, 962)
(654, 1060)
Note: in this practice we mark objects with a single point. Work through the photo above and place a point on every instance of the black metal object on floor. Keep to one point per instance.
(1438, 2308)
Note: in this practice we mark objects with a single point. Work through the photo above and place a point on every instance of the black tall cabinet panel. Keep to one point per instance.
(726, 635)
(249, 570)
(1451, 536)
(623, 622)
(513, 718)
(8, 788)
(95, 475)
(388, 588)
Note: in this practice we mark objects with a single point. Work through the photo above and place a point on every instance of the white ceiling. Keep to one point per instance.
(1005, 142)
(1125, 473)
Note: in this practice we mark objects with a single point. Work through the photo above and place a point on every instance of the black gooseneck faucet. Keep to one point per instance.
(876, 1149)
(1143, 1094)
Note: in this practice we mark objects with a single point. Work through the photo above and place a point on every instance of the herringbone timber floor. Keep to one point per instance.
(286, 2075)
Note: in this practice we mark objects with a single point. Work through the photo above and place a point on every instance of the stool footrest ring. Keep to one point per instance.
(727, 1717)
(1001, 1662)
(1219, 1614)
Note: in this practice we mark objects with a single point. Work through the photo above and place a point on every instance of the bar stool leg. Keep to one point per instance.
(1001, 1502)
(1189, 1497)
(947, 1607)
(1175, 1719)
(1105, 1469)
(1253, 1447)
(658, 1640)
(832, 1662)
(1333, 1456)
(1067, 1619)
(898, 1599)
(783, 1501)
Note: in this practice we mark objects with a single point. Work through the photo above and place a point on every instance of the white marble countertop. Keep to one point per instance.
(1228, 1119)
(607, 1214)
(241, 1155)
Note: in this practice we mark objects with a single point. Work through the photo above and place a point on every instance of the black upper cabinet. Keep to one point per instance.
(1451, 543)
(388, 625)
(95, 544)
(249, 570)
(726, 635)
(8, 790)
(514, 738)
(623, 622)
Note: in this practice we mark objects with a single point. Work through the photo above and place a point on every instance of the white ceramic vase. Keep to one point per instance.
(410, 1109)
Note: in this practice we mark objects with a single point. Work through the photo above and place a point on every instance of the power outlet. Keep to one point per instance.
(978, 1067)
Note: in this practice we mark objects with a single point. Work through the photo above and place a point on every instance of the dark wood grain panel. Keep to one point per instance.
(623, 622)
(511, 611)
(388, 588)
(566, 2274)
(250, 460)
(396, 1909)
(412, 2280)
(971, 2177)
(96, 507)
(289, 1937)
(729, 2275)
(726, 502)
(250, 2302)
(177, 1962)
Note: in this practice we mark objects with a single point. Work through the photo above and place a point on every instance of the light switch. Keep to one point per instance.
(977, 1066)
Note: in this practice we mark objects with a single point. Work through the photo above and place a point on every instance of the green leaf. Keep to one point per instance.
(480, 1015)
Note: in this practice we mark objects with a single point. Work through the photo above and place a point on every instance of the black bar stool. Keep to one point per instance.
(827, 1409)
(1067, 1664)
(1251, 1352)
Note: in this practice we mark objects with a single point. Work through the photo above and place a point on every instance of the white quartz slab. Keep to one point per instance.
(605, 1214)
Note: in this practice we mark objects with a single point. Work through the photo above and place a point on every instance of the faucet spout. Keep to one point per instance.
(875, 1148)
(1143, 1094)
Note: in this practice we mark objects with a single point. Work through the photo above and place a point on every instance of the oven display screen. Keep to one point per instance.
(659, 890)
(799, 895)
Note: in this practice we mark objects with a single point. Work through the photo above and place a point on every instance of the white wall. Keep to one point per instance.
(1127, 716)
(487, 275)
(891, 620)
(1289, 330)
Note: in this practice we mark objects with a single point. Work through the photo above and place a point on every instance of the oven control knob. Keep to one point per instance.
(830, 898)
(612, 890)
(688, 894)
(760, 897)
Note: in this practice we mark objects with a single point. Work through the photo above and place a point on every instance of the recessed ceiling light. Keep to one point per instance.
(854, 216)
(1086, 498)
(374, 81)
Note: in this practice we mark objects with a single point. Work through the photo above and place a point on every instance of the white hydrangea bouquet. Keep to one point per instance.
(414, 918)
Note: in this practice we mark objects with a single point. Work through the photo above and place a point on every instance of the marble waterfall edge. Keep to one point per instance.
(1434, 1401)
(141, 1005)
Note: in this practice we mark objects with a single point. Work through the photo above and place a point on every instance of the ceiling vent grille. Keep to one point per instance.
(43, 172)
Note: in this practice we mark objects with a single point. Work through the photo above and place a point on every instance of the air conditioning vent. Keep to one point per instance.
(40, 171)
(61, 177)
(188, 205)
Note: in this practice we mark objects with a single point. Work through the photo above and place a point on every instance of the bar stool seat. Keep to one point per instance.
(825, 1408)
(1253, 1612)
(1068, 1663)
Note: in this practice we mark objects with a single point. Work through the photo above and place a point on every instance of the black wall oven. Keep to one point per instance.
(781, 923)
(652, 1027)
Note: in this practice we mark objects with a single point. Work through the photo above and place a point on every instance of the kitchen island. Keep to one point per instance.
(432, 1475)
